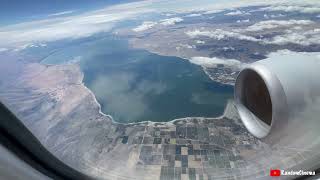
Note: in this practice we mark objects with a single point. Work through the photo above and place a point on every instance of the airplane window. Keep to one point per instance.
(167, 89)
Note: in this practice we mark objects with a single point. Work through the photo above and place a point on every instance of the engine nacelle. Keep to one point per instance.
(278, 100)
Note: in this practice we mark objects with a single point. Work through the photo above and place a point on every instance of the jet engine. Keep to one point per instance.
(278, 100)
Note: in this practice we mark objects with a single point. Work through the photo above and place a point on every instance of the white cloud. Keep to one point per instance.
(292, 8)
(237, 12)
(243, 21)
(149, 24)
(213, 11)
(144, 26)
(3, 49)
(29, 45)
(169, 14)
(170, 21)
(185, 46)
(271, 24)
(228, 48)
(200, 42)
(75, 60)
(61, 13)
(75, 26)
(303, 38)
(234, 13)
(277, 15)
(273, 16)
(193, 15)
(220, 34)
(213, 62)
(294, 35)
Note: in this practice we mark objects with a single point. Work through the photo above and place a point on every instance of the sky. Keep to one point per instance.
(23, 23)
(15, 11)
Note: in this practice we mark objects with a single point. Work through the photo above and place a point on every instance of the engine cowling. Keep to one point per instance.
(278, 100)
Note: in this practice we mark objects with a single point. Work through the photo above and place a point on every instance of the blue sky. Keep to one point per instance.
(15, 11)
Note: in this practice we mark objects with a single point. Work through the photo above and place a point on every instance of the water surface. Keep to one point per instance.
(135, 85)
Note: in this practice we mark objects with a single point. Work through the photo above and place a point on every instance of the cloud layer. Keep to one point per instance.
(220, 34)
(63, 25)
(145, 26)
(61, 13)
(213, 62)
(171, 21)
(302, 32)
(286, 8)
(272, 24)
(57, 28)
(303, 38)
(236, 13)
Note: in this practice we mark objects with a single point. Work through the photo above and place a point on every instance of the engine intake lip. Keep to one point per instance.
(259, 120)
